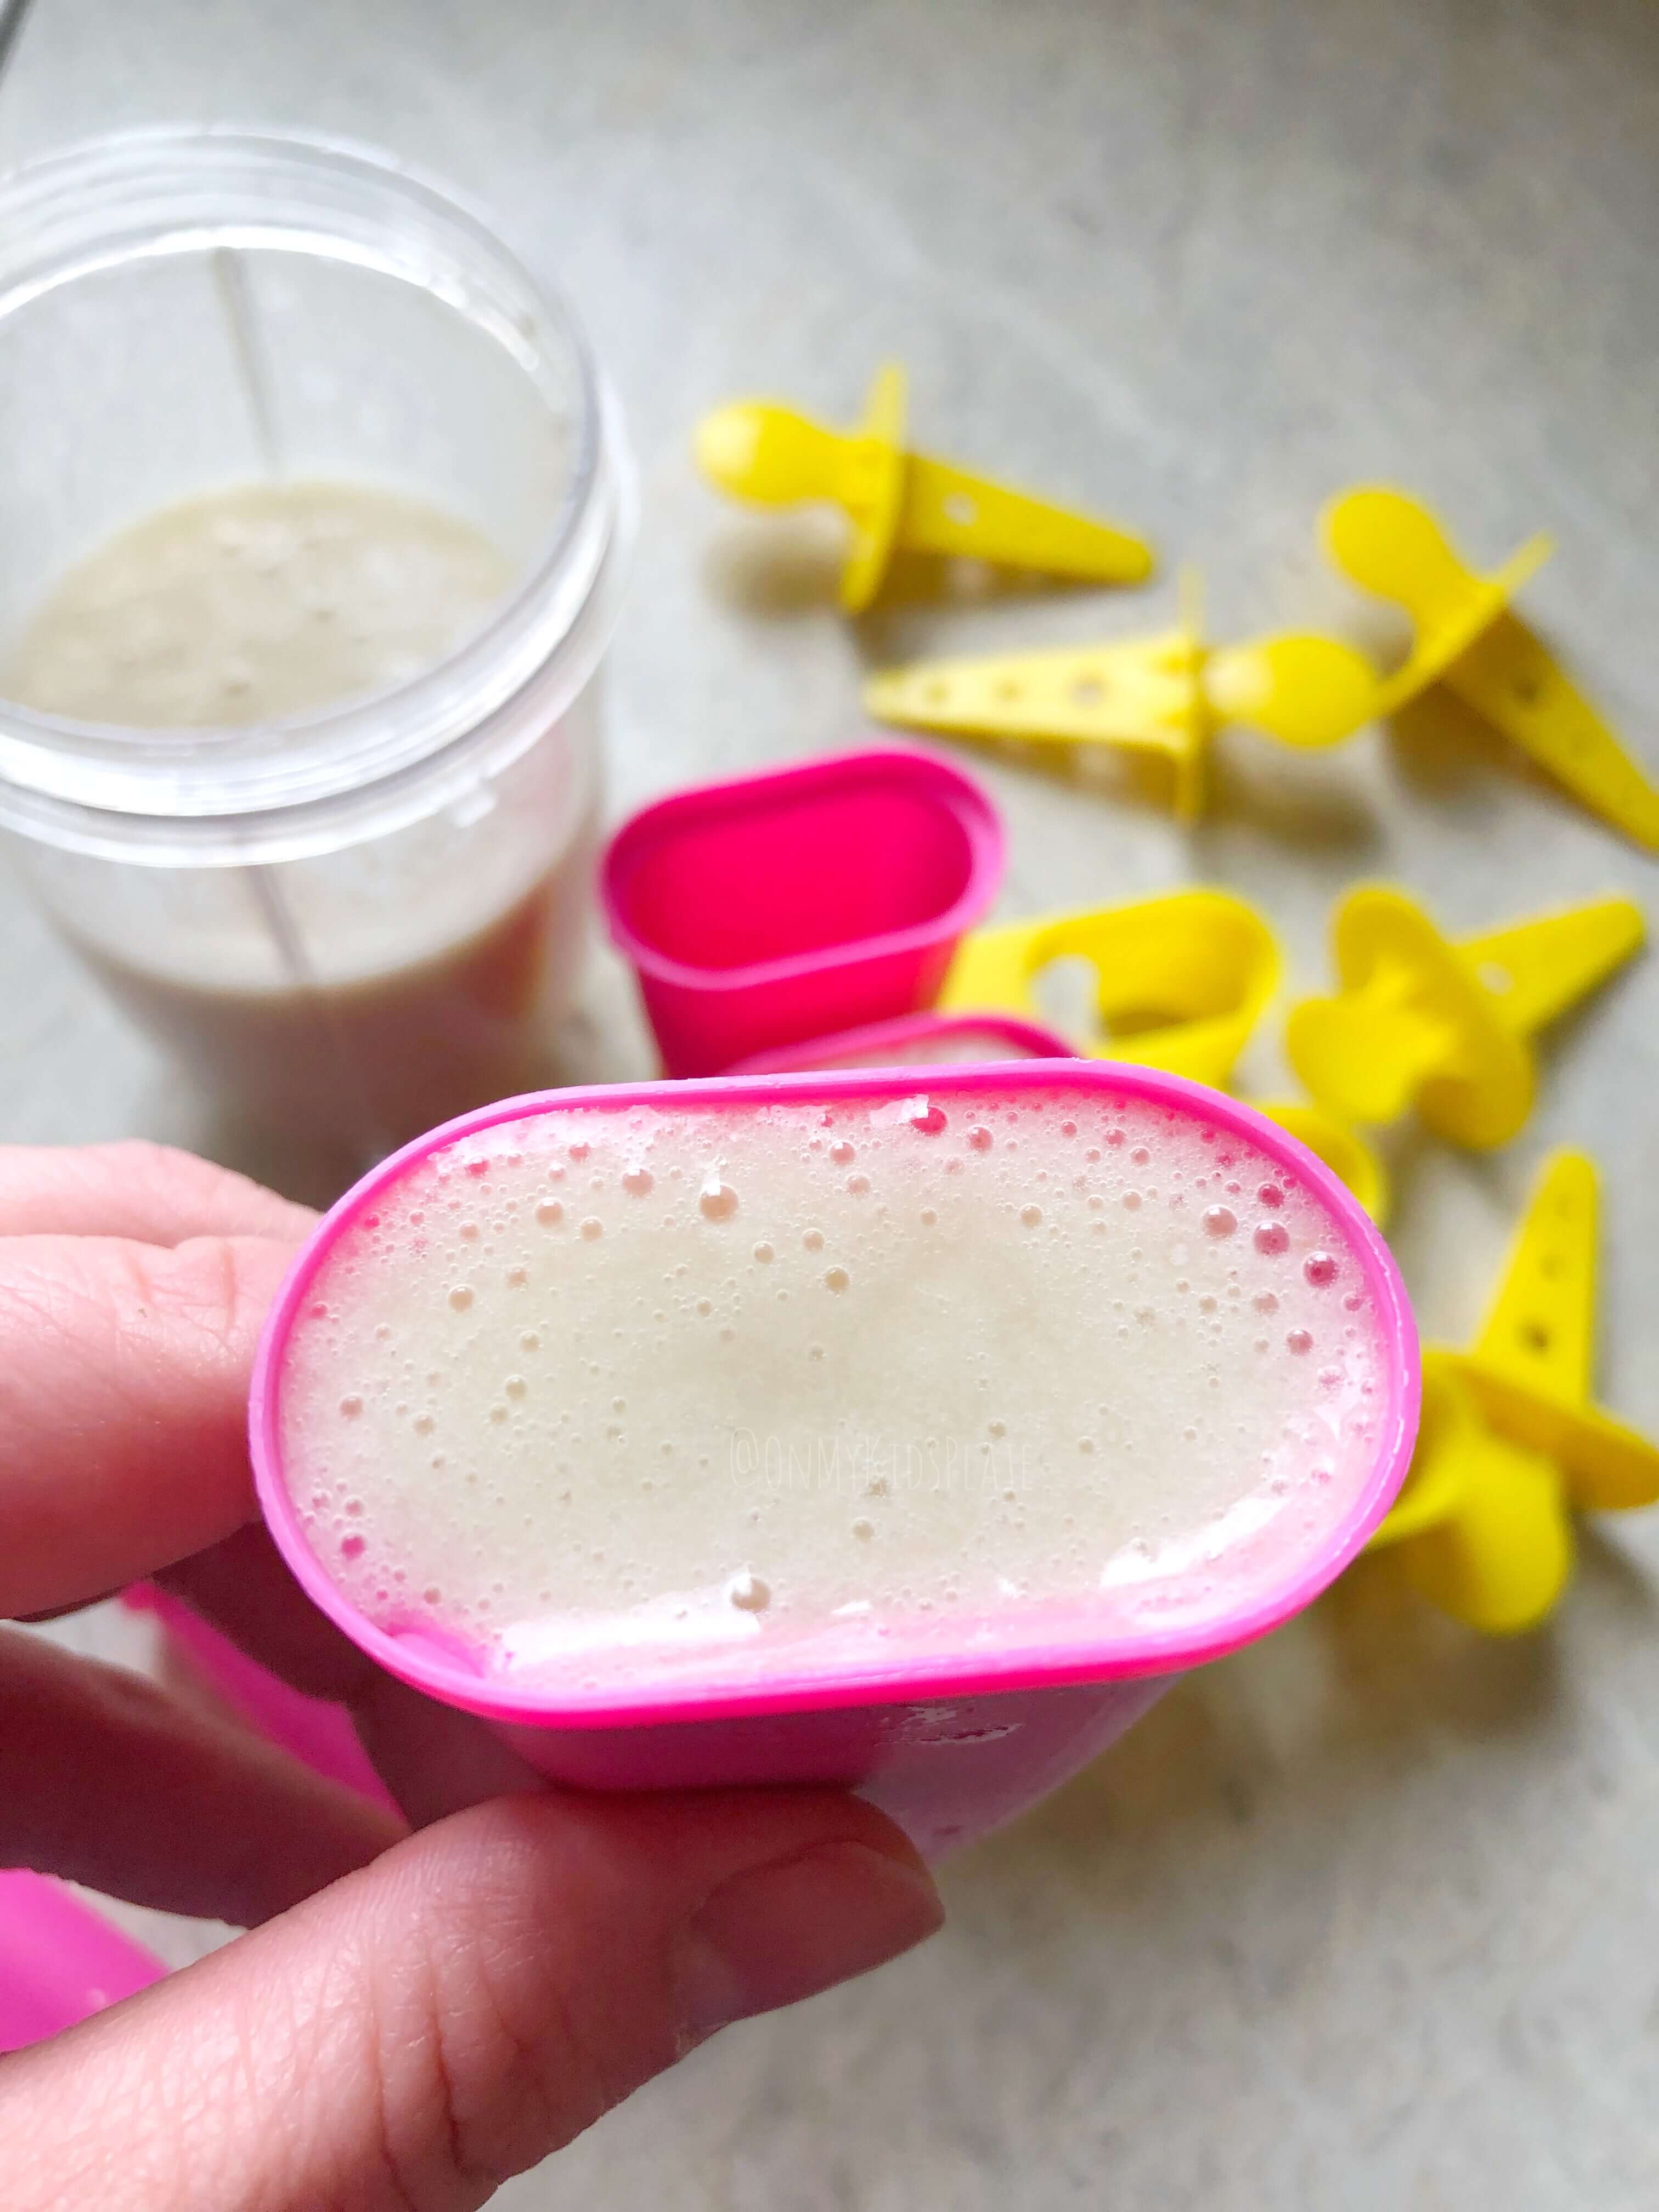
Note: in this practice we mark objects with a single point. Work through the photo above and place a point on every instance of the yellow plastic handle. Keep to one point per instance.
(1364, 1054)
(1386, 542)
(1306, 691)
(1180, 981)
(758, 450)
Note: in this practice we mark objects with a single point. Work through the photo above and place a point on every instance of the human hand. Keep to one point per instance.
(425, 2006)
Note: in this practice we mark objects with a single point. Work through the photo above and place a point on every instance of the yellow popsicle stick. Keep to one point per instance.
(1144, 696)
(1540, 1331)
(1607, 1466)
(1446, 1026)
(1507, 675)
(873, 487)
(1180, 981)
(1390, 543)
(1343, 1150)
(967, 516)
(1511, 1438)
(1306, 691)
(1532, 1366)
(1166, 694)
(1143, 693)
(1481, 1528)
(760, 451)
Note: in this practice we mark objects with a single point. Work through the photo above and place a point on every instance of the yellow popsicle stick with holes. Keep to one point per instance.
(1388, 543)
(1510, 1441)
(1446, 1026)
(1531, 1367)
(1168, 694)
(763, 451)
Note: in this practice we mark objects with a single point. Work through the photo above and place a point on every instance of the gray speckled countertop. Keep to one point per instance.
(1368, 1916)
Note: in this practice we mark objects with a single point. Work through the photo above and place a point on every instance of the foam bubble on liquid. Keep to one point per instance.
(717, 1200)
(1056, 1352)
(749, 1593)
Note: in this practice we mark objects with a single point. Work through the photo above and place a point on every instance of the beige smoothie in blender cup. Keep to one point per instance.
(298, 712)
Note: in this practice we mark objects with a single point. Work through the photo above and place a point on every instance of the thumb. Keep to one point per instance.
(407, 2039)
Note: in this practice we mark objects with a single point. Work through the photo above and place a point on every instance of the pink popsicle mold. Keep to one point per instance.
(916, 1040)
(948, 1744)
(763, 910)
(60, 1960)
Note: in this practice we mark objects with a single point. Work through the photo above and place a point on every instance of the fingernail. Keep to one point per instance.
(782, 1932)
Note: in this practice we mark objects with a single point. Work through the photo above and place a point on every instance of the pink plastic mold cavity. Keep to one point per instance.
(949, 1747)
(766, 909)
(60, 1961)
(916, 1040)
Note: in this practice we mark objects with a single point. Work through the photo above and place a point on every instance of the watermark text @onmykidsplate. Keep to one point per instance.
(861, 1465)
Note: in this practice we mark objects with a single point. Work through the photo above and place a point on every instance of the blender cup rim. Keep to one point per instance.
(124, 196)
(1071, 1654)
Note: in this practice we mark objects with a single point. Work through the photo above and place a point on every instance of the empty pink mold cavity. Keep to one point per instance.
(765, 909)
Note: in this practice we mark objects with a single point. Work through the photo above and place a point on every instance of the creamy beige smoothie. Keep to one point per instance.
(641, 1393)
(402, 988)
(255, 603)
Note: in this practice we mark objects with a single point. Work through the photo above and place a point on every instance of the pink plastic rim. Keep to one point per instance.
(824, 1056)
(1071, 1658)
(743, 806)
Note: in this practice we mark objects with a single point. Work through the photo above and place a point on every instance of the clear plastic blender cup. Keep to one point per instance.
(355, 922)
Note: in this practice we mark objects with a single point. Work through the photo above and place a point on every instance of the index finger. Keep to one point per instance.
(124, 1379)
(136, 1189)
